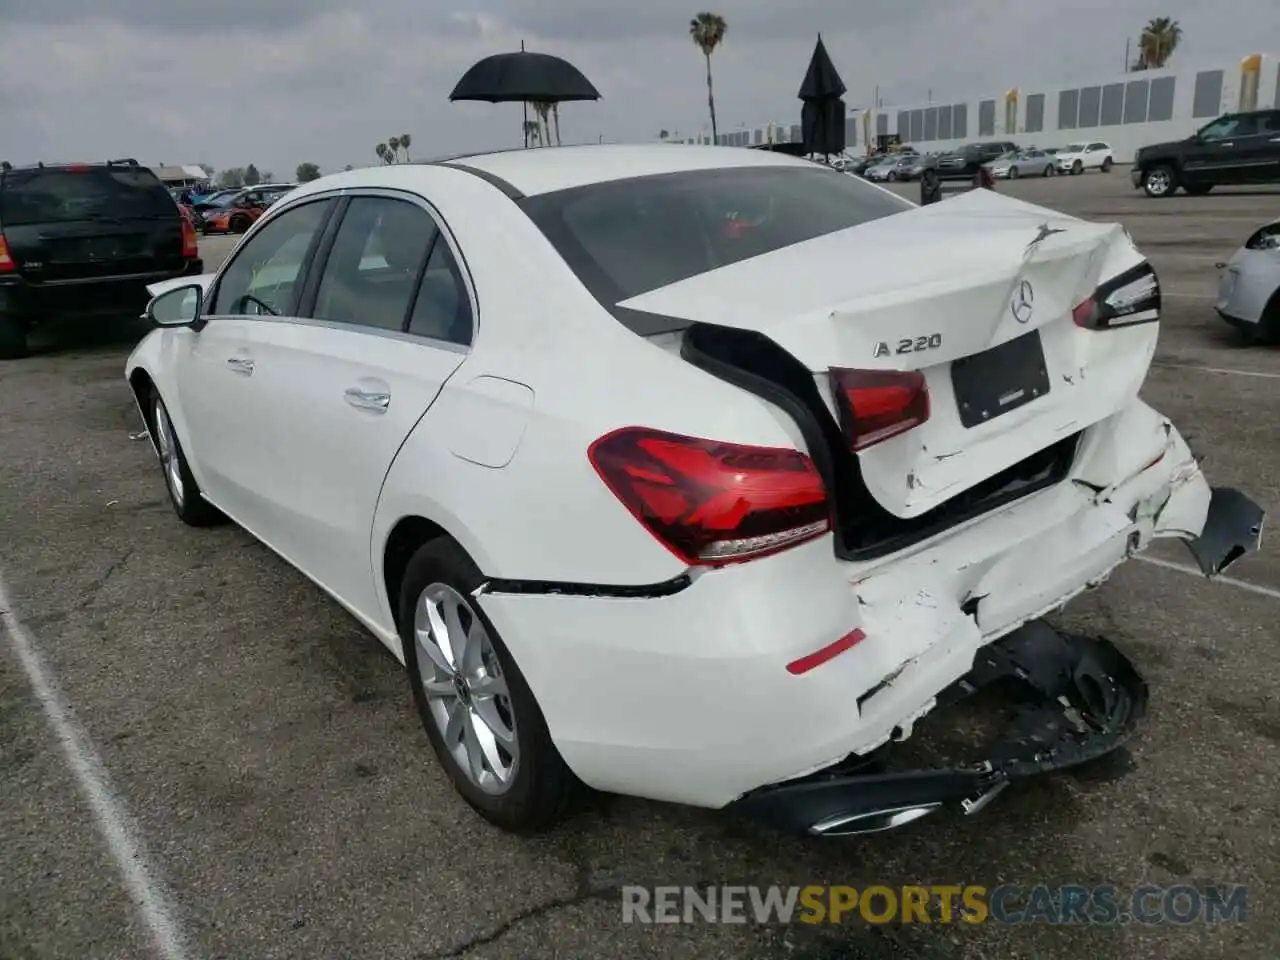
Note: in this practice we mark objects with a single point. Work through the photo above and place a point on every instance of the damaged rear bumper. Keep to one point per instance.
(1232, 529)
(1074, 699)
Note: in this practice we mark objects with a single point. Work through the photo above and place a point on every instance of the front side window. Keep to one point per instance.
(265, 276)
(1226, 127)
(627, 237)
(372, 272)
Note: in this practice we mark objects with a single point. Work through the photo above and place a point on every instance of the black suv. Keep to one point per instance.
(1236, 148)
(964, 162)
(84, 238)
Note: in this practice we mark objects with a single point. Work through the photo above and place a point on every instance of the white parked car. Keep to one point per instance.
(1249, 286)
(1085, 155)
(686, 472)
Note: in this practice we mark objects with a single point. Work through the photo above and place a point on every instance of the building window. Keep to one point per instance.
(987, 118)
(904, 125)
(944, 123)
(1090, 107)
(1136, 93)
(1035, 113)
(882, 125)
(1068, 109)
(960, 121)
(1161, 105)
(930, 124)
(917, 125)
(1207, 101)
(1112, 104)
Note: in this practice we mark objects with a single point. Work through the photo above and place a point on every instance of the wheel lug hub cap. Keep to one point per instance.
(461, 689)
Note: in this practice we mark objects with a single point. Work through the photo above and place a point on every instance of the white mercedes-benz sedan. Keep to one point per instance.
(699, 474)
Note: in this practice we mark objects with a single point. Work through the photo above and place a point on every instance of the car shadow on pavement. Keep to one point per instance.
(71, 333)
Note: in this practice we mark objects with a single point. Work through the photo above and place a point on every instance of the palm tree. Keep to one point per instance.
(707, 31)
(1158, 41)
(555, 112)
(543, 109)
(382, 152)
(532, 132)
(404, 145)
(393, 148)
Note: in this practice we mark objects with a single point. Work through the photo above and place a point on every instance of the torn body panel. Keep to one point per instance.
(927, 612)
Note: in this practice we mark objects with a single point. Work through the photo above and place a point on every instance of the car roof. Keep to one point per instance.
(547, 169)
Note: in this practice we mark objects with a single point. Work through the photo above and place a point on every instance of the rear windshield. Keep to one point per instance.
(627, 237)
(52, 195)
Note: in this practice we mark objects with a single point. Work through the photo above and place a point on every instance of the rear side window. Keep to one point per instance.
(627, 237)
(53, 194)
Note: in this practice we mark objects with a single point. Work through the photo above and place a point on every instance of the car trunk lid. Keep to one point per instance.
(977, 295)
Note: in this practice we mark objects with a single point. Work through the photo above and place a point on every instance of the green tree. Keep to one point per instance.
(707, 31)
(307, 172)
(231, 178)
(1158, 41)
(251, 176)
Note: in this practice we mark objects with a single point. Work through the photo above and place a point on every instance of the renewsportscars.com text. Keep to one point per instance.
(938, 903)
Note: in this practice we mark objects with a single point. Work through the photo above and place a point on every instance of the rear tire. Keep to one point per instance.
(184, 493)
(468, 710)
(238, 224)
(1048, 171)
(1106, 165)
(13, 337)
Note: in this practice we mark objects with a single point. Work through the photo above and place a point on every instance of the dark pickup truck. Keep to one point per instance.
(85, 238)
(963, 163)
(1238, 148)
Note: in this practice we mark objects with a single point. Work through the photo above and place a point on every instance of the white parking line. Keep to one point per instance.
(1189, 296)
(1222, 370)
(91, 777)
(1229, 581)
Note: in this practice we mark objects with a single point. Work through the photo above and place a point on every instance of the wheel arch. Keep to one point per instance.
(142, 386)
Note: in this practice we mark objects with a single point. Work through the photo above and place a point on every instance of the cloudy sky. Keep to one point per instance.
(276, 82)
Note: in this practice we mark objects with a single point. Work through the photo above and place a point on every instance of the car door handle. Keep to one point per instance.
(1275, 139)
(367, 399)
(240, 365)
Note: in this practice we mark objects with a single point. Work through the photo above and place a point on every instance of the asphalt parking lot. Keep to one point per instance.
(283, 802)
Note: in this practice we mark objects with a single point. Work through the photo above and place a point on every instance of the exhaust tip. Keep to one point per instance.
(872, 821)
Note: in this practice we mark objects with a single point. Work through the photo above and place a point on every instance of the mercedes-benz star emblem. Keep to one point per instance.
(1023, 302)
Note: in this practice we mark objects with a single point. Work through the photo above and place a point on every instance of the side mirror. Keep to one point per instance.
(179, 307)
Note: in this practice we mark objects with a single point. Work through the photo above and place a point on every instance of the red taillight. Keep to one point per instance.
(875, 405)
(6, 261)
(76, 168)
(712, 503)
(190, 243)
(1084, 314)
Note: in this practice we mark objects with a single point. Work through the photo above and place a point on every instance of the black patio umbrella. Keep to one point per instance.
(822, 116)
(524, 77)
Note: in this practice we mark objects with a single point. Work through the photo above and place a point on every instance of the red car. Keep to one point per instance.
(237, 215)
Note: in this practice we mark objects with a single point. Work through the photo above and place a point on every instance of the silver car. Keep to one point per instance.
(1249, 288)
(1022, 163)
(896, 167)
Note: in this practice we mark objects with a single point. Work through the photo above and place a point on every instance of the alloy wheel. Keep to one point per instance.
(169, 458)
(1158, 182)
(466, 693)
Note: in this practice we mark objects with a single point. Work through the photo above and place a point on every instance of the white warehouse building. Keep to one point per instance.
(1127, 110)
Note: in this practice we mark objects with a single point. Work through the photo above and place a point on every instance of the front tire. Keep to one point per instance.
(1048, 171)
(477, 709)
(184, 493)
(1160, 181)
(1013, 173)
(239, 224)
(1077, 168)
